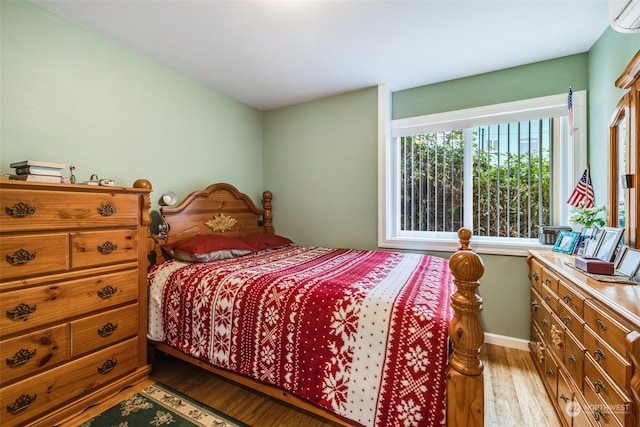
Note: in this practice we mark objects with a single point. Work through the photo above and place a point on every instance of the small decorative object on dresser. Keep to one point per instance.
(566, 242)
(72, 297)
(609, 243)
(37, 171)
(585, 343)
(628, 261)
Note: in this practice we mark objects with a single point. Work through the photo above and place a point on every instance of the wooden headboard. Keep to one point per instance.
(219, 208)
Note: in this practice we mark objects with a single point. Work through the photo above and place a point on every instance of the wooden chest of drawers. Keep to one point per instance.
(585, 342)
(73, 264)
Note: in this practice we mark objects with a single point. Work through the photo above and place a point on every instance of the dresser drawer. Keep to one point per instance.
(606, 328)
(103, 329)
(550, 298)
(103, 247)
(540, 314)
(596, 410)
(49, 210)
(615, 366)
(535, 275)
(565, 397)
(615, 403)
(551, 375)
(537, 347)
(550, 280)
(570, 320)
(35, 307)
(571, 299)
(33, 352)
(27, 399)
(574, 358)
(29, 255)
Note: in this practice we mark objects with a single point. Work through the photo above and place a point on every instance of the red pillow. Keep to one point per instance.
(208, 247)
(261, 242)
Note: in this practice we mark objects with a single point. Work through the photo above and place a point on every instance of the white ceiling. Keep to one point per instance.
(269, 53)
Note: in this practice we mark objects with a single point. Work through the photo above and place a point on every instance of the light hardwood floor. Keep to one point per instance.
(514, 394)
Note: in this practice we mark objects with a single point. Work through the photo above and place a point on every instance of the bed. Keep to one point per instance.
(364, 338)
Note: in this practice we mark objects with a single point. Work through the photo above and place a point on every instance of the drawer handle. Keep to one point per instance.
(21, 403)
(564, 398)
(547, 298)
(601, 325)
(549, 372)
(20, 257)
(599, 354)
(108, 329)
(544, 322)
(21, 311)
(598, 413)
(107, 210)
(572, 359)
(535, 276)
(567, 298)
(534, 305)
(21, 357)
(566, 319)
(547, 281)
(107, 292)
(19, 210)
(598, 386)
(107, 366)
(107, 247)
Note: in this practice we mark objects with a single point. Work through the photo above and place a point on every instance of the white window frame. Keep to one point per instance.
(570, 159)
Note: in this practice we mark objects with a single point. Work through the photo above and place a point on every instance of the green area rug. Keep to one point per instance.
(159, 405)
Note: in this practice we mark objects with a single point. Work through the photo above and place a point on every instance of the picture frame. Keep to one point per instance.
(592, 244)
(609, 242)
(635, 277)
(628, 261)
(566, 242)
(587, 234)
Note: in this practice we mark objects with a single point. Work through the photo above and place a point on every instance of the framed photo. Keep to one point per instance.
(635, 277)
(587, 234)
(591, 246)
(566, 242)
(629, 261)
(611, 238)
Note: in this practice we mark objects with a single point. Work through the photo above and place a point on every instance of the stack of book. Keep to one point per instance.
(37, 171)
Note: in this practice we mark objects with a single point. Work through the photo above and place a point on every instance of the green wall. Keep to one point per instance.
(513, 84)
(70, 95)
(607, 60)
(321, 163)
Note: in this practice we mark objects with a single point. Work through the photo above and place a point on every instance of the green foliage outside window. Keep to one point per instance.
(511, 192)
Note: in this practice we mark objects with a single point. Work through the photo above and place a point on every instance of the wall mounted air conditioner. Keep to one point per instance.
(624, 15)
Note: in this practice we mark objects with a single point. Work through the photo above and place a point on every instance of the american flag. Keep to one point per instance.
(572, 129)
(582, 192)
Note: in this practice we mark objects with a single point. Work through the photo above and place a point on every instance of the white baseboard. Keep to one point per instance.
(505, 341)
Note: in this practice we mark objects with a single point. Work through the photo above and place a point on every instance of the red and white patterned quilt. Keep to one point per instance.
(360, 333)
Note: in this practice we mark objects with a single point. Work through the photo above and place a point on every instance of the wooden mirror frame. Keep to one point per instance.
(626, 112)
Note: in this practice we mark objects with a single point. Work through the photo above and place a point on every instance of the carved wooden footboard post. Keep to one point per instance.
(465, 381)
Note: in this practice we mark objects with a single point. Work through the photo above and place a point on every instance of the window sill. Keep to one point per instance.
(480, 245)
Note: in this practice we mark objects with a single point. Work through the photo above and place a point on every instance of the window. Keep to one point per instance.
(501, 170)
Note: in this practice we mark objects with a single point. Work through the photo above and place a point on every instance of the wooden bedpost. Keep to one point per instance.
(465, 381)
(267, 217)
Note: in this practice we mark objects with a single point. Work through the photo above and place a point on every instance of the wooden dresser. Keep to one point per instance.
(585, 342)
(72, 297)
